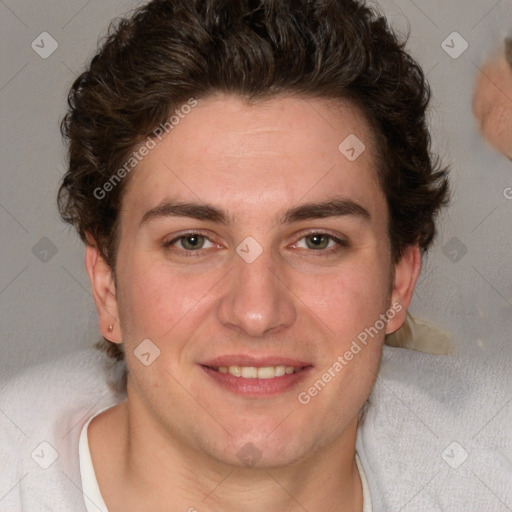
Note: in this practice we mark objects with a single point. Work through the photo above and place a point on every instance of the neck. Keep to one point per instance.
(154, 471)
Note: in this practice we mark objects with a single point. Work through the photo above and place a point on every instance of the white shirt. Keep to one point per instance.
(92, 496)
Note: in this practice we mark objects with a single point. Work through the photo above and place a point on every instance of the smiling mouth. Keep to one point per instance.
(255, 372)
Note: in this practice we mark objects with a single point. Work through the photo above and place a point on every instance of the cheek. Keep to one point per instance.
(155, 298)
(348, 300)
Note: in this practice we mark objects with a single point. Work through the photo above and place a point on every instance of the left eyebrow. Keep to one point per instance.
(336, 207)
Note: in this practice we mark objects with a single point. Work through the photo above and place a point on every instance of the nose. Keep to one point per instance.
(256, 300)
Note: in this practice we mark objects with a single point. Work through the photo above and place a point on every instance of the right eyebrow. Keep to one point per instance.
(194, 210)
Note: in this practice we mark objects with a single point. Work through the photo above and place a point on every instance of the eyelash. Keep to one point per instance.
(199, 252)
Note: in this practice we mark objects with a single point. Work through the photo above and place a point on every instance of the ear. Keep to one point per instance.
(407, 271)
(103, 291)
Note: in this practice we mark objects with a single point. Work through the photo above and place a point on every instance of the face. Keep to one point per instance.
(253, 253)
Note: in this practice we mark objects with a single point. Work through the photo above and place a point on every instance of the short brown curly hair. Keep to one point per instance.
(169, 51)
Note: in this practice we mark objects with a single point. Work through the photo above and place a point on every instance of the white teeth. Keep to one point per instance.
(235, 370)
(280, 370)
(249, 372)
(252, 372)
(266, 372)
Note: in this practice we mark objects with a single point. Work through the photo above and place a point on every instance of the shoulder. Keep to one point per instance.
(46, 389)
(435, 424)
(42, 411)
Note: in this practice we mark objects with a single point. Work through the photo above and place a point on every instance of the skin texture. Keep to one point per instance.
(173, 443)
(492, 101)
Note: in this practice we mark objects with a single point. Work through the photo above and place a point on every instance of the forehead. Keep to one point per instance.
(265, 153)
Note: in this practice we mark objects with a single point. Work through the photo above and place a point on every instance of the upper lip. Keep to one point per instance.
(255, 361)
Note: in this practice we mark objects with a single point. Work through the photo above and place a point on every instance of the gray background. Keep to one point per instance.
(46, 307)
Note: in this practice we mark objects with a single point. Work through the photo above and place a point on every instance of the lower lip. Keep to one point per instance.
(256, 388)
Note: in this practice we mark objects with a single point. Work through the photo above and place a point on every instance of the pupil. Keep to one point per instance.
(192, 241)
(317, 240)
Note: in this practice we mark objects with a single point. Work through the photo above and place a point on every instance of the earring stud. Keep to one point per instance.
(110, 328)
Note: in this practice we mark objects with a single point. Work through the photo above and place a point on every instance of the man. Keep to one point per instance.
(254, 185)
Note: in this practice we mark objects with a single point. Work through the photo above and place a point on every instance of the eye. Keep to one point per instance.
(189, 242)
(322, 242)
